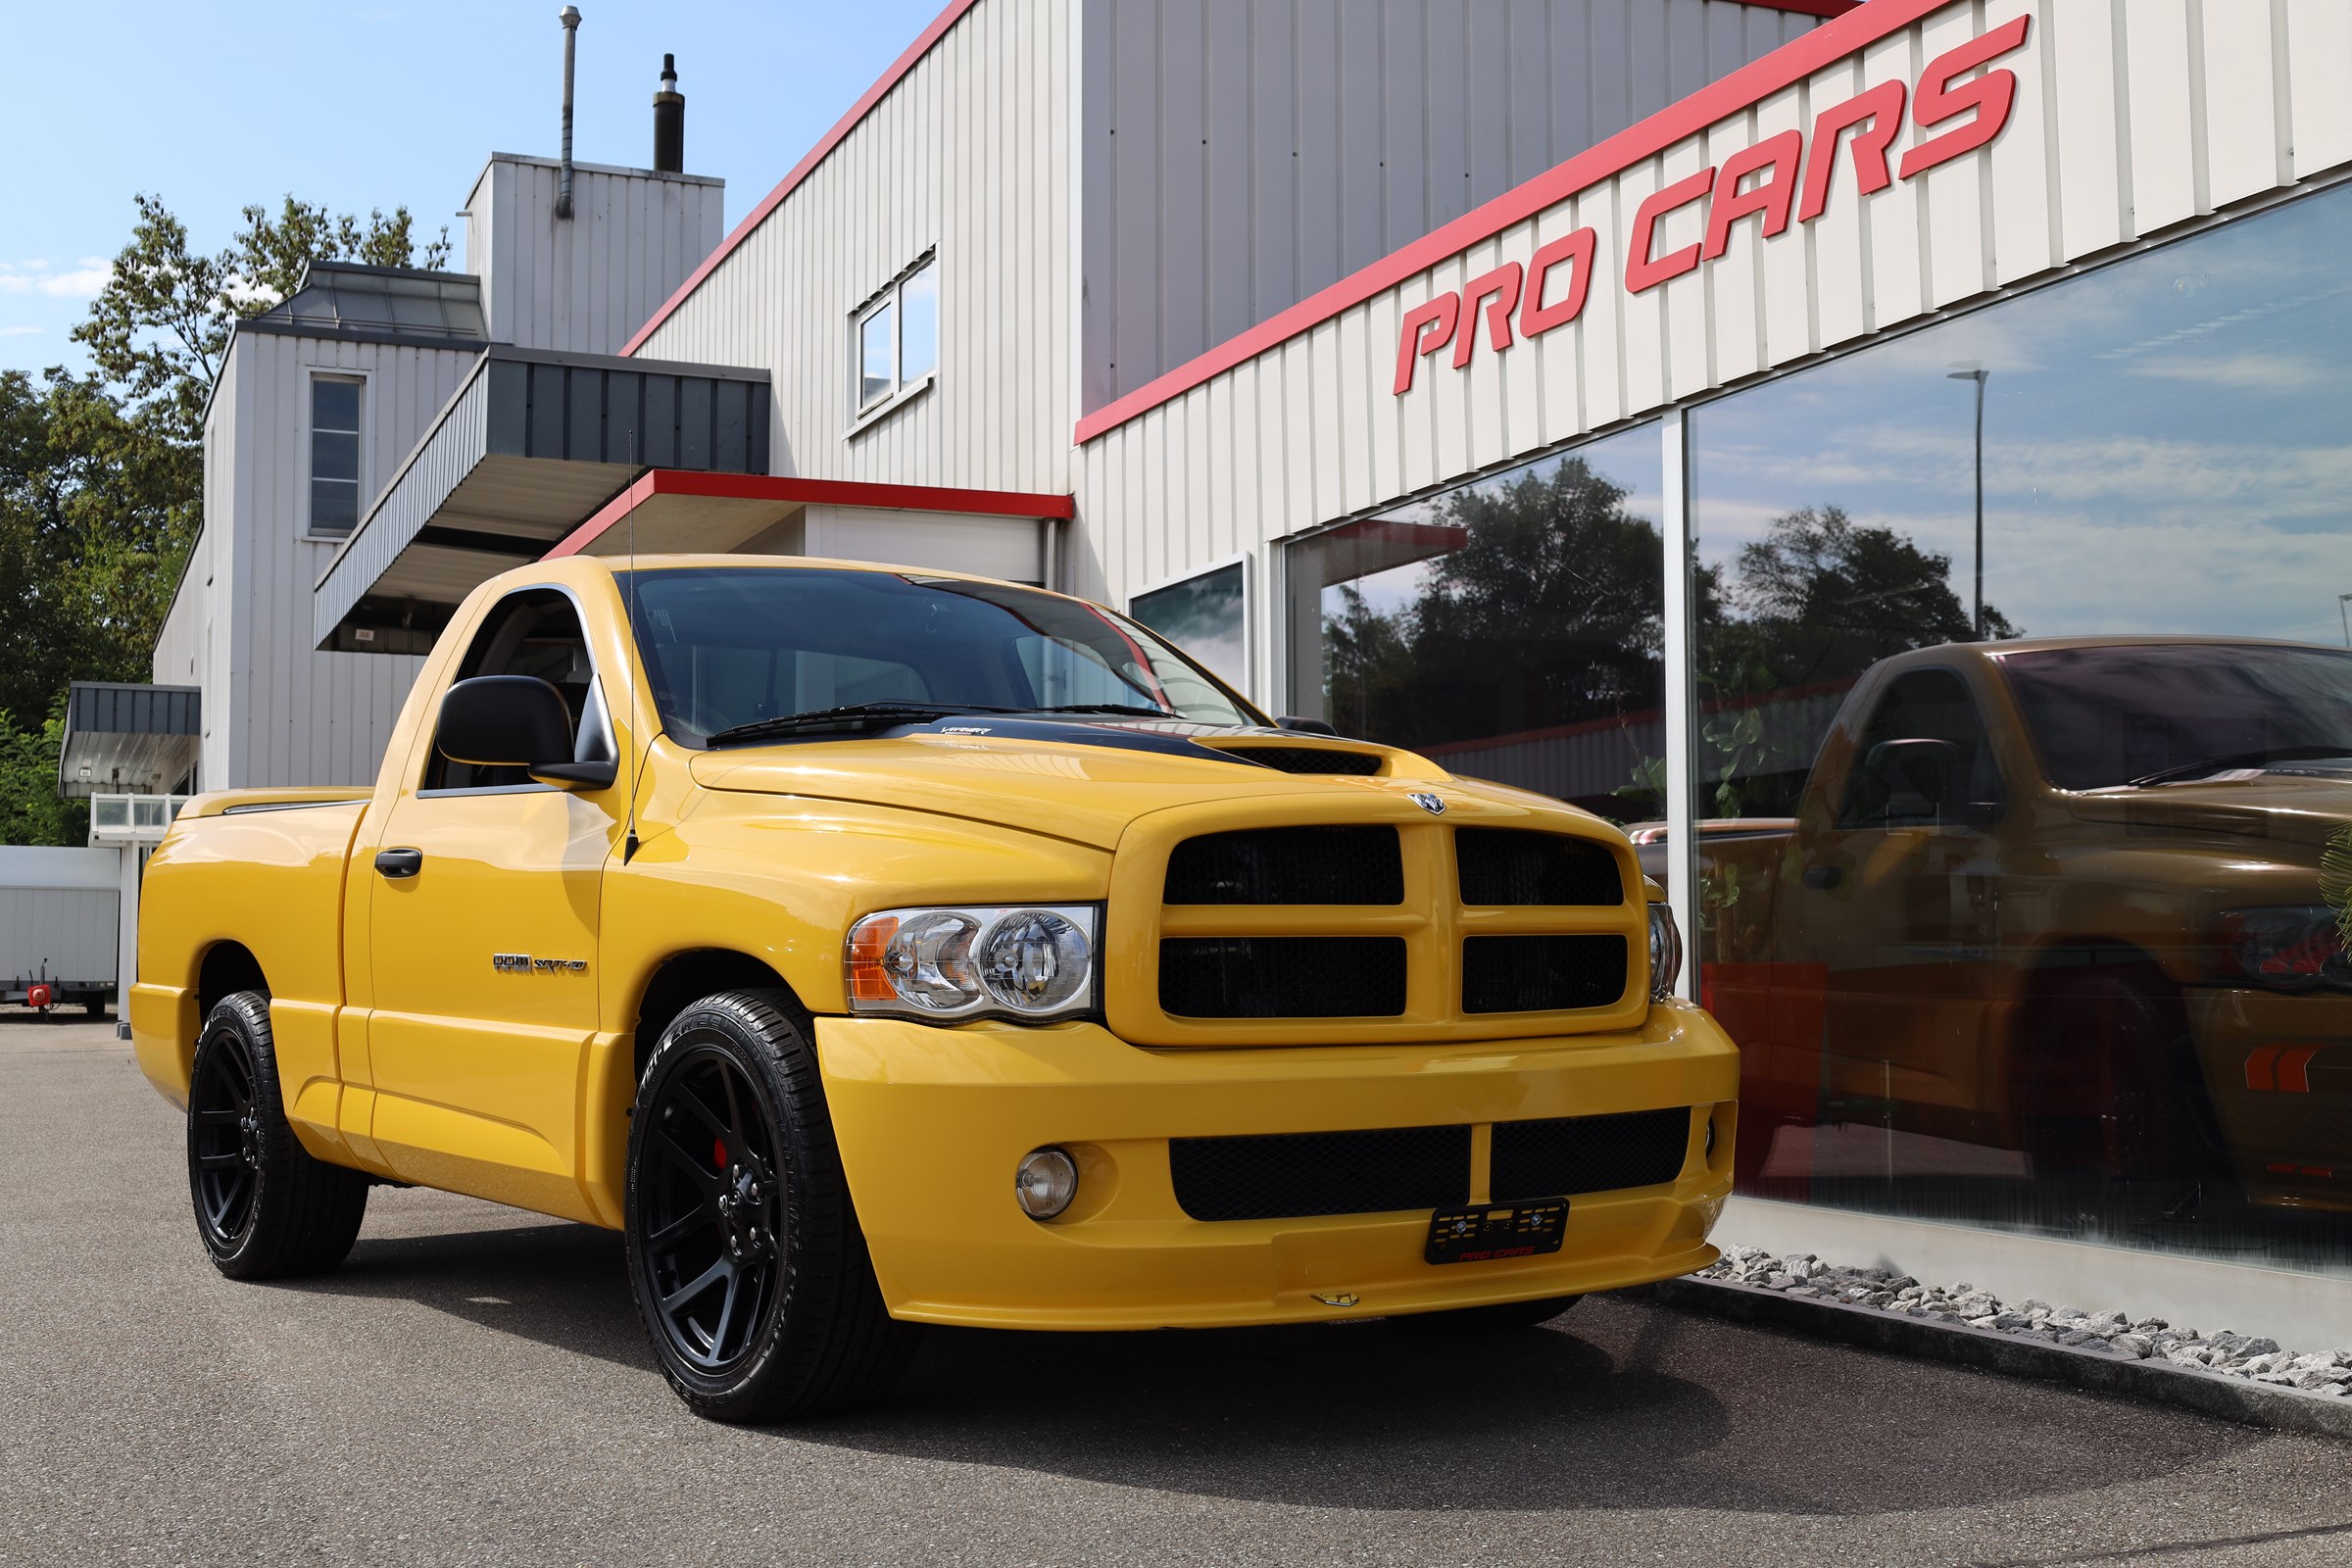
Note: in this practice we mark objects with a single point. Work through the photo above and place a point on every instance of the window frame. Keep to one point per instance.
(311, 378)
(888, 297)
(1245, 559)
(420, 767)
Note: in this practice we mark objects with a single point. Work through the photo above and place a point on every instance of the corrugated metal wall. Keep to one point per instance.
(276, 711)
(2131, 116)
(1241, 154)
(585, 284)
(969, 154)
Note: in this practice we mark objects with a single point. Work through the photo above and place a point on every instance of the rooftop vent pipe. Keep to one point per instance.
(570, 18)
(669, 121)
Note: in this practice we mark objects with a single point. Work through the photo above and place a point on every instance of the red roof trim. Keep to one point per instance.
(801, 171)
(1791, 62)
(835, 492)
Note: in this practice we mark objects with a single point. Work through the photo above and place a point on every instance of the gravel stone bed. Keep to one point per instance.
(2114, 1333)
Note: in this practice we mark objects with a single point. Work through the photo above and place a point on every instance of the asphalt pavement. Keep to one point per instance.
(473, 1387)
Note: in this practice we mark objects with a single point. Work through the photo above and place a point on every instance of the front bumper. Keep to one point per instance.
(2279, 1068)
(931, 1122)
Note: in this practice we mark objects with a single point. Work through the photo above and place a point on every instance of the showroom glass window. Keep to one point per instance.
(1207, 615)
(335, 455)
(894, 339)
(2026, 936)
(1511, 629)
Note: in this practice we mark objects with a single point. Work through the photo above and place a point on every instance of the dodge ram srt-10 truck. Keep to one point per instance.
(2062, 897)
(877, 947)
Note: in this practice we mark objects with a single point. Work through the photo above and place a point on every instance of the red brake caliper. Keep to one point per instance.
(718, 1152)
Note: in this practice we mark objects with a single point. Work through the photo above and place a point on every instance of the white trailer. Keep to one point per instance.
(59, 925)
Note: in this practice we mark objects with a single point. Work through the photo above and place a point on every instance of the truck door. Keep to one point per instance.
(1897, 900)
(483, 938)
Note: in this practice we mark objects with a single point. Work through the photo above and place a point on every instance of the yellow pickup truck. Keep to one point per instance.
(878, 948)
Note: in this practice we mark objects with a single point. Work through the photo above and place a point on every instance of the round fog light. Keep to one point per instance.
(1045, 1183)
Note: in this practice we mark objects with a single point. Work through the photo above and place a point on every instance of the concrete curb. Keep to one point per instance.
(2213, 1393)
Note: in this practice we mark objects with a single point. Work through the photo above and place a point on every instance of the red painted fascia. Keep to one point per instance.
(1791, 63)
(828, 492)
(801, 171)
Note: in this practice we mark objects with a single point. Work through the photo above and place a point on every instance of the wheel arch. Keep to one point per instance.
(225, 968)
(684, 978)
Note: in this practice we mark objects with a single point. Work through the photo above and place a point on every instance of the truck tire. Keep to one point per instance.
(744, 1255)
(2101, 1087)
(264, 1209)
(1503, 1317)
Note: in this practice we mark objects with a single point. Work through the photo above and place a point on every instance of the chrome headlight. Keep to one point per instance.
(1022, 961)
(1665, 951)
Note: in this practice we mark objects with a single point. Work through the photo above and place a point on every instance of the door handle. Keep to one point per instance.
(1821, 877)
(398, 864)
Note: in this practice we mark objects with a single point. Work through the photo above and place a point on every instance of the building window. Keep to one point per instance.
(1206, 615)
(894, 340)
(334, 454)
(1511, 627)
(2024, 726)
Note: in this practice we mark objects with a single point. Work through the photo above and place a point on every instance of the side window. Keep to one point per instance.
(334, 454)
(894, 339)
(1924, 760)
(533, 632)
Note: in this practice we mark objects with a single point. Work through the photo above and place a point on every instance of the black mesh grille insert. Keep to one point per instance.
(1511, 866)
(1294, 1174)
(1281, 977)
(1309, 758)
(1541, 973)
(1289, 865)
(1574, 1155)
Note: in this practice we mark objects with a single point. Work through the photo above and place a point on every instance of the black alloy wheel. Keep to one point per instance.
(744, 1255)
(224, 1139)
(710, 1201)
(265, 1207)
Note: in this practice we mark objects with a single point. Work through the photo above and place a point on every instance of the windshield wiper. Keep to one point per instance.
(1104, 707)
(2216, 764)
(857, 715)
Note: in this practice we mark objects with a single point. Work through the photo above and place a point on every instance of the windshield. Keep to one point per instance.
(2112, 715)
(730, 646)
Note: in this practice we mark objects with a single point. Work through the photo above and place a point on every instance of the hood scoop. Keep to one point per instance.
(1287, 759)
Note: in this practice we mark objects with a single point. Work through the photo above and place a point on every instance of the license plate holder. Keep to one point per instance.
(1487, 1231)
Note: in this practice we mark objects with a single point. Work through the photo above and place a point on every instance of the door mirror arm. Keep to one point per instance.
(576, 776)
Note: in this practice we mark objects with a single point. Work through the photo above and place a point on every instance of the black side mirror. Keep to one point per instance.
(514, 721)
(1305, 726)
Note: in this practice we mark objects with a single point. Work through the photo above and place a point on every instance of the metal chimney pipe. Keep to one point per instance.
(669, 121)
(570, 18)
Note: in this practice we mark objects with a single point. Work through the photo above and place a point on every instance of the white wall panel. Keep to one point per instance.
(967, 154)
(2164, 161)
(2100, 138)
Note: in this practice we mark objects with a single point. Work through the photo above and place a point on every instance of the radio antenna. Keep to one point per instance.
(628, 840)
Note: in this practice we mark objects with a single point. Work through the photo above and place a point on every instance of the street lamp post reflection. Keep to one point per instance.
(1978, 374)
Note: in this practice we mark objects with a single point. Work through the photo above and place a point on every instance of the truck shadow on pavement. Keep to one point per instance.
(1616, 1404)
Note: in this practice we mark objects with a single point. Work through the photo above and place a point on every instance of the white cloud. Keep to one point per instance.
(19, 331)
(79, 282)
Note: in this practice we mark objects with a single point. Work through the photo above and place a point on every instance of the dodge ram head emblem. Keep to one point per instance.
(1434, 805)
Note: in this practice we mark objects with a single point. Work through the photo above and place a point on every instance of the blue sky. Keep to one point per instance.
(360, 106)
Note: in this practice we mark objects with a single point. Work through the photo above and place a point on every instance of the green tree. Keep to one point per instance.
(1552, 612)
(30, 811)
(159, 326)
(1824, 597)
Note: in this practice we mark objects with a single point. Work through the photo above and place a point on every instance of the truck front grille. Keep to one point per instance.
(1503, 866)
(1290, 1175)
(1289, 865)
(1281, 977)
(1381, 1170)
(1570, 1154)
(1376, 921)
(1541, 973)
